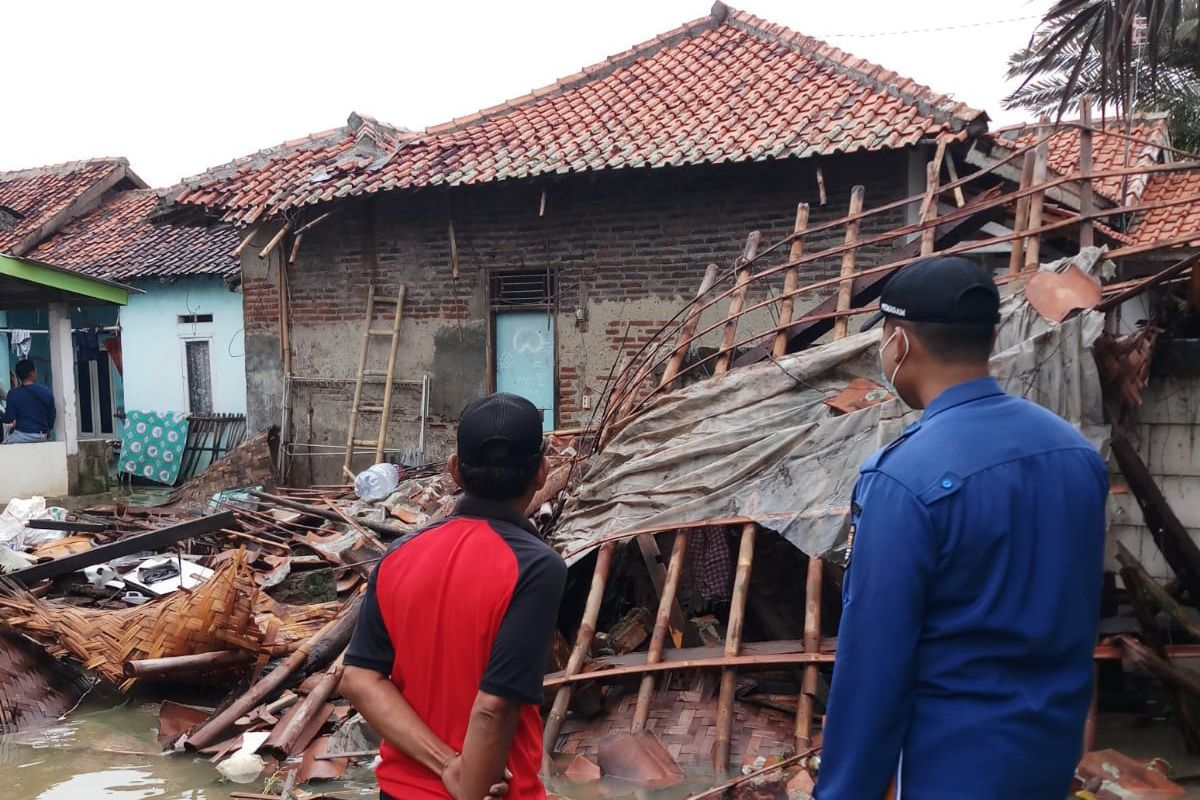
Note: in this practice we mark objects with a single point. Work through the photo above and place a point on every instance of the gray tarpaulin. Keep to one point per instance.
(759, 442)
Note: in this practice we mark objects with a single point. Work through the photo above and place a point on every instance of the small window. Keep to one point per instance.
(199, 377)
(523, 288)
(191, 319)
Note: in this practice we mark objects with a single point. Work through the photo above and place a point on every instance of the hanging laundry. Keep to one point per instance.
(20, 341)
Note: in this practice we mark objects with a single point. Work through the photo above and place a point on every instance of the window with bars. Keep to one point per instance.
(532, 288)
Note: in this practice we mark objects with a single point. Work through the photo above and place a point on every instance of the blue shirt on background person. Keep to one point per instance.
(30, 405)
(972, 595)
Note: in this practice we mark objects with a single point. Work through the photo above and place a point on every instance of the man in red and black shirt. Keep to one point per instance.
(450, 648)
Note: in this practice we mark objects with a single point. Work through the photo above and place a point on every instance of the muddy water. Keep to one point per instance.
(107, 752)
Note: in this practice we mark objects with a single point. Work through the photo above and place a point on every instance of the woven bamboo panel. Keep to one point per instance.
(288, 626)
(216, 615)
(35, 688)
(687, 729)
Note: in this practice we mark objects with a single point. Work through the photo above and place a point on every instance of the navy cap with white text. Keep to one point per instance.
(947, 289)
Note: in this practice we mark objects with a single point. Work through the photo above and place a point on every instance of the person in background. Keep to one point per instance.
(448, 655)
(972, 595)
(29, 409)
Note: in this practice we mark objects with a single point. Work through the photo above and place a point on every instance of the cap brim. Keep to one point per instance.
(871, 322)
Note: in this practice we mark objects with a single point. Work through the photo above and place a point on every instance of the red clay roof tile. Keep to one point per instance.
(117, 241)
(702, 85)
(31, 199)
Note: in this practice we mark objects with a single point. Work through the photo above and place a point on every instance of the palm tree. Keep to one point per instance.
(1128, 54)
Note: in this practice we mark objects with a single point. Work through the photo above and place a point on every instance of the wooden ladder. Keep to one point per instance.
(384, 409)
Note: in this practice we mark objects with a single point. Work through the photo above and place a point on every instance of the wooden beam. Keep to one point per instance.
(1021, 214)
(1146, 586)
(1087, 202)
(1177, 547)
(151, 540)
(275, 240)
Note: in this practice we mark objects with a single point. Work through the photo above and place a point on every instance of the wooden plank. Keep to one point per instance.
(66, 525)
(1165, 528)
(929, 209)
(151, 540)
(845, 291)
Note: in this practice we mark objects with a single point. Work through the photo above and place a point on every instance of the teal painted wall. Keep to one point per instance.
(152, 343)
(36, 320)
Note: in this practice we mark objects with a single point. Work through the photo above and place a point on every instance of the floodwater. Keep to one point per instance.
(107, 752)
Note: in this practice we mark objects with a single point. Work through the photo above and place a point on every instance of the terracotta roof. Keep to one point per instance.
(36, 202)
(724, 88)
(117, 241)
(1173, 221)
(1108, 150)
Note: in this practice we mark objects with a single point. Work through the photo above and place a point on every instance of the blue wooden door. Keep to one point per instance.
(525, 359)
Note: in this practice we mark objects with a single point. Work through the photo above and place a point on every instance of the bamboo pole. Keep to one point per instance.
(1033, 245)
(283, 742)
(689, 327)
(791, 279)
(1087, 202)
(173, 667)
(389, 386)
(812, 644)
(662, 627)
(846, 287)
(364, 350)
(275, 240)
(1021, 214)
(212, 730)
(735, 304)
(733, 644)
(929, 209)
(583, 643)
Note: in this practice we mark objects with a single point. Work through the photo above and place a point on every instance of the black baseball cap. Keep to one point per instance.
(498, 430)
(941, 289)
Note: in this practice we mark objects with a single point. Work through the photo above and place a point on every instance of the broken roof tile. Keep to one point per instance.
(718, 73)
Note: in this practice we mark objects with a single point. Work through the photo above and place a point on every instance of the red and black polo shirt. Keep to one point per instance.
(468, 604)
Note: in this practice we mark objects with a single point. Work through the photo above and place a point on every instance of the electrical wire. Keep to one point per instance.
(938, 29)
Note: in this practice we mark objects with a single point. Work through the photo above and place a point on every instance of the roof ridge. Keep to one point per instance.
(354, 123)
(598, 70)
(935, 104)
(63, 168)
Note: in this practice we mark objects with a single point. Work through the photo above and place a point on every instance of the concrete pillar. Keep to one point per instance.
(62, 359)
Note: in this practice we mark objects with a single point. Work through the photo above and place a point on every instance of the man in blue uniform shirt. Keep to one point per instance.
(970, 604)
(30, 408)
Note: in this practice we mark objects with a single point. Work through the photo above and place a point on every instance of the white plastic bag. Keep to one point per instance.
(16, 516)
(377, 482)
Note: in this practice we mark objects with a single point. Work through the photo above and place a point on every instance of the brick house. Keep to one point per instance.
(541, 239)
(174, 346)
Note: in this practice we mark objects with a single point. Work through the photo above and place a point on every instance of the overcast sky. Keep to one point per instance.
(177, 87)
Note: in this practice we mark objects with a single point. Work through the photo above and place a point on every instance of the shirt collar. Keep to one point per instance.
(470, 506)
(962, 393)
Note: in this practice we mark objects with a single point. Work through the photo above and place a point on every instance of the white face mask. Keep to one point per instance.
(889, 383)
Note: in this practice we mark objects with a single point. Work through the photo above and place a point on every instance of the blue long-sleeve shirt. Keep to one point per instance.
(970, 607)
(31, 407)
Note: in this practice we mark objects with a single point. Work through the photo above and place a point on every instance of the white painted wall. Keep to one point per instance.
(30, 469)
(153, 340)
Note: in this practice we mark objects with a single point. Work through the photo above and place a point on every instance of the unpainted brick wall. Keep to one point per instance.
(623, 235)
